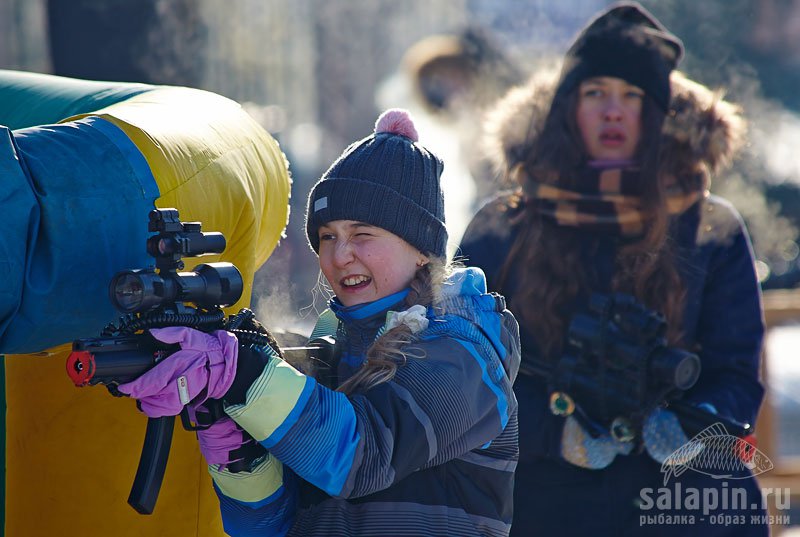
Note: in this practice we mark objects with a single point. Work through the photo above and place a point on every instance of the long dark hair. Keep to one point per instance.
(548, 261)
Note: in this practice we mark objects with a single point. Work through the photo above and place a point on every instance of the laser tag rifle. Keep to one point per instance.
(618, 367)
(161, 297)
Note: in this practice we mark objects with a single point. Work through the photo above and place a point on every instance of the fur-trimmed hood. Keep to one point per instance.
(701, 131)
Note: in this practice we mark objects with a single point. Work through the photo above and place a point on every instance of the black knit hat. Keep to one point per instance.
(624, 41)
(386, 180)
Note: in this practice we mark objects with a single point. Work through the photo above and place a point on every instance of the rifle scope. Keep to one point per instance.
(211, 284)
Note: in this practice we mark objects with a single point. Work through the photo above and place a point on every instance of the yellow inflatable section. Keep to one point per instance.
(222, 183)
(71, 453)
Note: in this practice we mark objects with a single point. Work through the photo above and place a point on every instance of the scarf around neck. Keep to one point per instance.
(608, 200)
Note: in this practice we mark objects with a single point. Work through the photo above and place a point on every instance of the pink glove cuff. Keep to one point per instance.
(221, 439)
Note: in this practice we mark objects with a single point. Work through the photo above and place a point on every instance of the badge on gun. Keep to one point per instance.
(163, 297)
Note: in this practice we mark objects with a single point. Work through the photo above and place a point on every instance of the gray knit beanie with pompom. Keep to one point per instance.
(387, 180)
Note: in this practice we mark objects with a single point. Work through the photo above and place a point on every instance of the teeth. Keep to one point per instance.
(355, 280)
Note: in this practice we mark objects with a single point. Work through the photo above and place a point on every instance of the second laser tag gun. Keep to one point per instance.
(161, 297)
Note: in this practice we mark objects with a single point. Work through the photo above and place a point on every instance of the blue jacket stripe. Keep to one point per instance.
(502, 401)
(273, 518)
(494, 330)
(326, 441)
(293, 416)
(423, 418)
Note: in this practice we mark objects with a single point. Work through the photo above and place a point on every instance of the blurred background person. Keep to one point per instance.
(603, 206)
(449, 80)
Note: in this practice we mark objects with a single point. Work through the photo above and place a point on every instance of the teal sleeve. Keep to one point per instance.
(75, 203)
(258, 503)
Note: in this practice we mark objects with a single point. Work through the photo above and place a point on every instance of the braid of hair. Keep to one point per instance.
(387, 353)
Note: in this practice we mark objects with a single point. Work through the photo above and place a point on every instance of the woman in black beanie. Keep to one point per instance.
(639, 308)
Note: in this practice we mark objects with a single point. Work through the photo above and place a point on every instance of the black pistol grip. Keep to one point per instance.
(152, 464)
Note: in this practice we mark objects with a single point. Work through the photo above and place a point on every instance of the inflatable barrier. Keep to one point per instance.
(82, 164)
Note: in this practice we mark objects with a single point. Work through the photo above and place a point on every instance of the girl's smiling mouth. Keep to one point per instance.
(355, 282)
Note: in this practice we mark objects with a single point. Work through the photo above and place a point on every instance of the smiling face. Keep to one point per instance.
(609, 117)
(363, 263)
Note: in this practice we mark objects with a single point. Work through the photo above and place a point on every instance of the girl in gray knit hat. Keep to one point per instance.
(411, 429)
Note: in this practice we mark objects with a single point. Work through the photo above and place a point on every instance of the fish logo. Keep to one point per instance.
(716, 453)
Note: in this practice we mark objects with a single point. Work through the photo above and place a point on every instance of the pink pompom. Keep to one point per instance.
(397, 121)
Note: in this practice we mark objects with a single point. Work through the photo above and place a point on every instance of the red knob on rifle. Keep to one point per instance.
(80, 367)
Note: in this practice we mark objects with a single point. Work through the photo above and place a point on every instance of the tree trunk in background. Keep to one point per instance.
(150, 41)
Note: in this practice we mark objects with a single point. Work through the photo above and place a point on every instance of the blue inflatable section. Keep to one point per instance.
(56, 202)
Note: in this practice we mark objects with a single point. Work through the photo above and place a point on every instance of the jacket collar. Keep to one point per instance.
(362, 322)
(367, 310)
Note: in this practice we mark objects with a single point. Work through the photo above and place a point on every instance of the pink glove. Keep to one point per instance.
(225, 443)
(204, 368)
